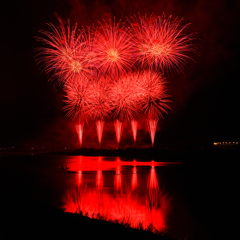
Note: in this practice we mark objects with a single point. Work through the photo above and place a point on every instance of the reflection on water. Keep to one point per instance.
(118, 191)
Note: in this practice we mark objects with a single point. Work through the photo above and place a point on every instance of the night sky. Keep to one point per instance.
(205, 104)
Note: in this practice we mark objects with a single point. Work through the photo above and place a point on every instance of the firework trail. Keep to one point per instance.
(66, 53)
(113, 49)
(76, 103)
(152, 126)
(79, 130)
(76, 99)
(99, 104)
(125, 95)
(118, 130)
(97, 94)
(126, 102)
(99, 127)
(155, 100)
(161, 42)
(134, 125)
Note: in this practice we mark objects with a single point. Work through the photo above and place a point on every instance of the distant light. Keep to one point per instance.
(224, 143)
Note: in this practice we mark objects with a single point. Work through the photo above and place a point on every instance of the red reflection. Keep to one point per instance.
(99, 126)
(80, 163)
(99, 179)
(79, 176)
(153, 182)
(134, 178)
(133, 206)
(118, 178)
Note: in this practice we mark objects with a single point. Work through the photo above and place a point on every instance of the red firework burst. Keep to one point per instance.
(113, 49)
(125, 97)
(161, 42)
(154, 98)
(76, 99)
(66, 54)
(98, 99)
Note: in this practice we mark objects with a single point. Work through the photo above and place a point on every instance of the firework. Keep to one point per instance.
(76, 99)
(155, 100)
(125, 97)
(113, 49)
(162, 43)
(112, 71)
(97, 94)
(66, 53)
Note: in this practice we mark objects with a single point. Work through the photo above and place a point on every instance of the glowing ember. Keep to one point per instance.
(113, 55)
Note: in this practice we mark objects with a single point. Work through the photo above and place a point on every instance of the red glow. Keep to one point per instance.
(153, 182)
(118, 178)
(79, 176)
(134, 178)
(78, 163)
(127, 204)
(99, 179)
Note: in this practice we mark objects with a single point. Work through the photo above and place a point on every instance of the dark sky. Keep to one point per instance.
(205, 100)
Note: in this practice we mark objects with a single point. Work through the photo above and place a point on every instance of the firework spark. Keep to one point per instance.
(65, 54)
(155, 99)
(125, 96)
(162, 43)
(97, 94)
(76, 99)
(113, 49)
